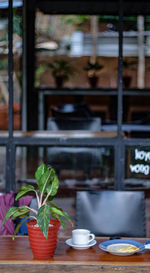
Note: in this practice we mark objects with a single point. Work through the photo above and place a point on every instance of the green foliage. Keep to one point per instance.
(128, 64)
(20, 212)
(3, 64)
(39, 173)
(115, 18)
(77, 20)
(43, 218)
(93, 66)
(61, 68)
(17, 23)
(19, 225)
(24, 189)
(47, 183)
(108, 18)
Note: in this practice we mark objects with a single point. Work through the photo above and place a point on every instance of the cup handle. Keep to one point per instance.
(92, 236)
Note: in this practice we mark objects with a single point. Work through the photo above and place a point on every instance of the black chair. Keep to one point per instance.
(71, 110)
(111, 213)
(90, 124)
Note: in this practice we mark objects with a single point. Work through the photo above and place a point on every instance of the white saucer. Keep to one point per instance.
(69, 243)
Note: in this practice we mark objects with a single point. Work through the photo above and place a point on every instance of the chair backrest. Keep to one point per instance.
(91, 124)
(111, 213)
(6, 201)
(71, 110)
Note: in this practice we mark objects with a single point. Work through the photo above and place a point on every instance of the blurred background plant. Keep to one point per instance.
(77, 20)
(127, 67)
(92, 72)
(61, 70)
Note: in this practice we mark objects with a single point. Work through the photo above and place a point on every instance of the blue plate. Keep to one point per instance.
(105, 244)
(147, 244)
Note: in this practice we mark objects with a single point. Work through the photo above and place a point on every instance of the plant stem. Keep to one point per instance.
(33, 217)
(33, 210)
(44, 202)
(38, 199)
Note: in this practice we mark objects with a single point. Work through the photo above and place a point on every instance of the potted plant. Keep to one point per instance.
(61, 71)
(127, 66)
(92, 69)
(42, 229)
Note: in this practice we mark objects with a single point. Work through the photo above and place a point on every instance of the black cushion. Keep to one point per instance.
(111, 213)
(91, 124)
(71, 110)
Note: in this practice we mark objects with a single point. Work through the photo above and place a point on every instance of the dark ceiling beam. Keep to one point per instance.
(76, 7)
(93, 7)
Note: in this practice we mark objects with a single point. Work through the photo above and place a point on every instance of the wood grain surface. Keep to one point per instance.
(16, 256)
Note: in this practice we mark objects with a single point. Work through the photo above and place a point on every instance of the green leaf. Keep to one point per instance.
(53, 184)
(18, 226)
(24, 190)
(63, 223)
(45, 181)
(93, 66)
(57, 211)
(21, 212)
(54, 205)
(39, 173)
(66, 215)
(60, 212)
(50, 198)
(9, 213)
(43, 217)
(49, 182)
(57, 217)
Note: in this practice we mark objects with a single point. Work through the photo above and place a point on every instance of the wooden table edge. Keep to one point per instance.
(86, 263)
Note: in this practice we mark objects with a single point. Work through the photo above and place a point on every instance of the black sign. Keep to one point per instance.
(139, 162)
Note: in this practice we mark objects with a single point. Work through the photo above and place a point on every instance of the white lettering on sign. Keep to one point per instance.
(140, 168)
(142, 155)
(143, 168)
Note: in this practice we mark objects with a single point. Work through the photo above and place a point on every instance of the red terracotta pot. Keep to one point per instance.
(41, 247)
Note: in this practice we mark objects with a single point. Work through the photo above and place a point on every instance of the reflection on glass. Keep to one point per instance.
(72, 164)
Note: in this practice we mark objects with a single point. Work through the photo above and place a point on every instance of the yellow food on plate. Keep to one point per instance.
(128, 249)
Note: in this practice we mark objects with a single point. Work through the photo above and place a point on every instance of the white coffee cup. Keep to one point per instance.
(82, 236)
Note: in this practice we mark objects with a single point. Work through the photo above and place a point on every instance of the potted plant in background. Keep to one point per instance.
(61, 71)
(42, 229)
(127, 67)
(92, 69)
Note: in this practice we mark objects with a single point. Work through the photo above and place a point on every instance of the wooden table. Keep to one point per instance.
(16, 256)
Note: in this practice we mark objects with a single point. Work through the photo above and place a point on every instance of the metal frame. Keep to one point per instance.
(118, 143)
(43, 92)
(10, 153)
